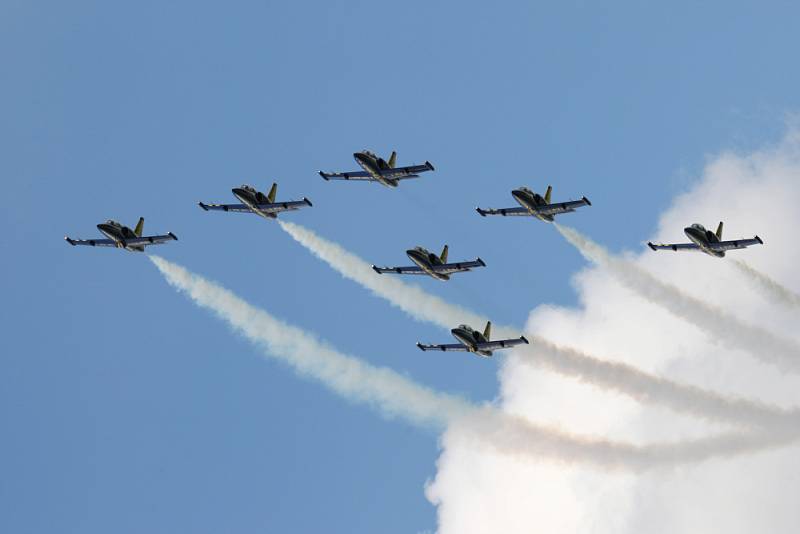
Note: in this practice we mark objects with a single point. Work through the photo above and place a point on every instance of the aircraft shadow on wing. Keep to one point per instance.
(377, 169)
(430, 264)
(535, 205)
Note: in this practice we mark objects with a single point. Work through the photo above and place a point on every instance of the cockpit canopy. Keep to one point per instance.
(526, 190)
(465, 327)
(420, 249)
(700, 227)
(368, 153)
(112, 222)
(248, 188)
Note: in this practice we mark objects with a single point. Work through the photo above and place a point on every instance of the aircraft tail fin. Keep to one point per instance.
(392, 160)
(548, 193)
(139, 227)
(272, 192)
(719, 231)
(443, 257)
(487, 333)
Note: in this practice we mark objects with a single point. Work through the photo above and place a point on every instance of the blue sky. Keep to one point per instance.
(126, 408)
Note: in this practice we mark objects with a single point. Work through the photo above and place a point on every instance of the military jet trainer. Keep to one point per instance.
(535, 205)
(707, 241)
(257, 202)
(432, 265)
(377, 169)
(476, 342)
(120, 236)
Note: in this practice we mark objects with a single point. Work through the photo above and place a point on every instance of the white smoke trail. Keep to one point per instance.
(397, 396)
(774, 289)
(352, 378)
(727, 329)
(617, 377)
(647, 388)
(411, 299)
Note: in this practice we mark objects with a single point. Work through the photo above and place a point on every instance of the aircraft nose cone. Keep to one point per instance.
(360, 157)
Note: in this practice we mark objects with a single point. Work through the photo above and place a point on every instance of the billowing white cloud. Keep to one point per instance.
(723, 325)
(478, 491)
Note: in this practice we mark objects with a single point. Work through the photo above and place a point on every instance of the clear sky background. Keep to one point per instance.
(125, 408)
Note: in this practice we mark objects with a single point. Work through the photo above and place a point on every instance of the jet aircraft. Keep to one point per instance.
(707, 241)
(120, 236)
(257, 202)
(377, 169)
(535, 205)
(474, 341)
(432, 265)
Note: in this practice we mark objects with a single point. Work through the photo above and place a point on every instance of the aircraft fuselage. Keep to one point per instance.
(425, 260)
(373, 165)
(252, 198)
(119, 234)
(703, 238)
(530, 201)
(470, 339)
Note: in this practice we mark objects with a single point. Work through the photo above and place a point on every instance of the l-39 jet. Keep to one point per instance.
(257, 202)
(535, 205)
(471, 340)
(120, 236)
(707, 241)
(432, 265)
(377, 169)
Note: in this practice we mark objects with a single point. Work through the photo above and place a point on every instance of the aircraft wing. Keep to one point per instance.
(235, 208)
(151, 240)
(518, 211)
(447, 268)
(401, 173)
(736, 243)
(398, 270)
(355, 175)
(673, 246)
(92, 242)
(458, 267)
(562, 207)
(501, 343)
(136, 241)
(445, 348)
(275, 207)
